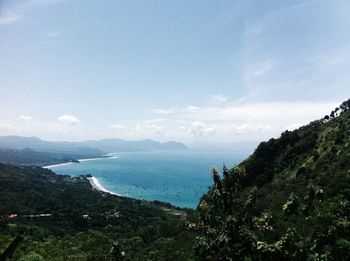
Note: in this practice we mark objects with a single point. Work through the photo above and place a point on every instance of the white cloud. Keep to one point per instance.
(154, 120)
(117, 126)
(68, 119)
(157, 129)
(6, 128)
(192, 108)
(276, 112)
(239, 100)
(260, 68)
(210, 131)
(199, 129)
(244, 120)
(218, 99)
(273, 112)
(254, 76)
(25, 118)
(254, 128)
(145, 130)
(176, 110)
(165, 111)
(294, 126)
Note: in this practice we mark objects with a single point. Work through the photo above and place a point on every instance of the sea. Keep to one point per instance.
(179, 178)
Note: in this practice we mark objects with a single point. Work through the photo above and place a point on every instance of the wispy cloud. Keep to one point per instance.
(18, 12)
(254, 121)
(176, 110)
(260, 69)
(147, 130)
(244, 121)
(117, 126)
(41, 129)
(155, 128)
(40, 3)
(10, 18)
(259, 25)
(165, 111)
(191, 108)
(25, 118)
(218, 99)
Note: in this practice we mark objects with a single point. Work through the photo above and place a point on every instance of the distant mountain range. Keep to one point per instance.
(88, 148)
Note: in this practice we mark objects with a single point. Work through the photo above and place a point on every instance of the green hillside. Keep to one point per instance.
(144, 230)
(38, 158)
(290, 200)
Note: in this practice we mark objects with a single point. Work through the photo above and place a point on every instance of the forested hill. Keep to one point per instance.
(290, 200)
(38, 158)
(62, 218)
(319, 148)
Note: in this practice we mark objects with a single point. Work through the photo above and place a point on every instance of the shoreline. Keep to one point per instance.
(80, 160)
(96, 185)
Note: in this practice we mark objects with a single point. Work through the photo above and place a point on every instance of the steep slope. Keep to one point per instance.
(289, 200)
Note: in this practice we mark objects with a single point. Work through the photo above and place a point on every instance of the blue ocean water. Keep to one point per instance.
(179, 178)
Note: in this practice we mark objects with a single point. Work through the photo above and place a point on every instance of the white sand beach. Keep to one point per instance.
(113, 157)
(97, 186)
(57, 165)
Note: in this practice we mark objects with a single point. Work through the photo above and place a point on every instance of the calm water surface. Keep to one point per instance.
(179, 178)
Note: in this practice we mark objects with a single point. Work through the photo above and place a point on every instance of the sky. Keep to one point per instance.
(189, 71)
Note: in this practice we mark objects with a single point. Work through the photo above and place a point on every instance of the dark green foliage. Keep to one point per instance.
(142, 229)
(290, 200)
(38, 158)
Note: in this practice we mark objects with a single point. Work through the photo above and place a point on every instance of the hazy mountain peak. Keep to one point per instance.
(95, 146)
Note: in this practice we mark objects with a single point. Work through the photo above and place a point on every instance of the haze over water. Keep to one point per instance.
(179, 178)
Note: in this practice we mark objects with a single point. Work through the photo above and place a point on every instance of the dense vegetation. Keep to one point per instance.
(144, 230)
(290, 200)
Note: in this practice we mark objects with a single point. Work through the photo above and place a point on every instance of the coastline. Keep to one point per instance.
(80, 160)
(96, 185)
(89, 159)
(57, 165)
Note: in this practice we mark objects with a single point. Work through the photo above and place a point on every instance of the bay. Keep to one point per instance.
(179, 178)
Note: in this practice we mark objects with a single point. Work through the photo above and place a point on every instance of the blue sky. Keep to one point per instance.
(192, 71)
